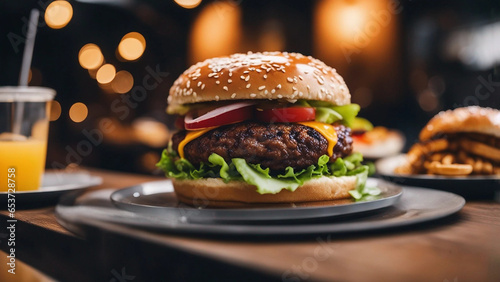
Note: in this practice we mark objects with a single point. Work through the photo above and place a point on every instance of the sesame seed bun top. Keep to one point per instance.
(467, 119)
(268, 75)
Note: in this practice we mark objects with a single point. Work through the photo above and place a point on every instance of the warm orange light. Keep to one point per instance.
(151, 132)
(105, 74)
(216, 31)
(90, 56)
(355, 26)
(58, 14)
(188, 4)
(272, 37)
(78, 112)
(55, 110)
(123, 82)
(132, 46)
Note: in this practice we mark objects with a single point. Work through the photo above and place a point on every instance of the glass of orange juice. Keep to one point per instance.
(24, 127)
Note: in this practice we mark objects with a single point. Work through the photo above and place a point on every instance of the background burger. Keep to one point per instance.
(459, 142)
(262, 128)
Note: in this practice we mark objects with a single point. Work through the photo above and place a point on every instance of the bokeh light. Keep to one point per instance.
(55, 110)
(428, 101)
(188, 4)
(132, 46)
(213, 35)
(105, 74)
(58, 14)
(90, 56)
(78, 112)
(151, 132)
(123, 82)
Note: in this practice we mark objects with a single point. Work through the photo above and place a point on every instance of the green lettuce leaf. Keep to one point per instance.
(328, 113)
(362, 192)
(266, 183)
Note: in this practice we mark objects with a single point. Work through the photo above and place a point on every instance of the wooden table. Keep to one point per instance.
(462, 247)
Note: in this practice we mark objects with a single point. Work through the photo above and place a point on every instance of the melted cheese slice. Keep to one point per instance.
(327, 130)
(190, 136)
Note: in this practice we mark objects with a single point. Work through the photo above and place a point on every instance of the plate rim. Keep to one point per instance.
(201, 229)
(259, 214)
(93, 181)
(394, 158)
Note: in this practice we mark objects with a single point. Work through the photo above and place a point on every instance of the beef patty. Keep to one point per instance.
(273, 145)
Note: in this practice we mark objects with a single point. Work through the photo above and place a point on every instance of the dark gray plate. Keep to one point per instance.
(416, 205)
(469, 186)
(158, 199)
(54, 184)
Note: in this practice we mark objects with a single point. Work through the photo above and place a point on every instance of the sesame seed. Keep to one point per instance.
(199, 83)
(258, 70)
(278, 86)
(253, 95)
(280, 96)
(294, 88)
(245, 72)
(212, 74)
(230, 74)
(194, 94)
(265, 76)
(233, 95)
(188, 84)
(273, 91)
(229, 81)
(217, 82)
(262, 87)
(248, 85)
(202, 86)
(267, 92)
(289, 79)
(247, 79)
(242, 77)
(217, 98)
(225, 88)
(300, 77)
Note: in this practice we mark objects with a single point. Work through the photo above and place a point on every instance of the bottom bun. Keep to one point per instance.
(214, 192)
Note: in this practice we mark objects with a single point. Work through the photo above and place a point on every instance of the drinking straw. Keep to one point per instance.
(25, 66)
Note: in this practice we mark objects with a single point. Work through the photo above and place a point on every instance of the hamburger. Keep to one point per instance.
(460, 142)
(261, 128)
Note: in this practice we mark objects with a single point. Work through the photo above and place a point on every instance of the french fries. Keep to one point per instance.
(458, 157)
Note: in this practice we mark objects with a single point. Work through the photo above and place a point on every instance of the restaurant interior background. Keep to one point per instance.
(112, 62)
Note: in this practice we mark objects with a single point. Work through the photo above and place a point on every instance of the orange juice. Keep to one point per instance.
(27, 157)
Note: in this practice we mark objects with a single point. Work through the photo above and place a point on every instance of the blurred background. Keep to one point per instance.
(112, 62)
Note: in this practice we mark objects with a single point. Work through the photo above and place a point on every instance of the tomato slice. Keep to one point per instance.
(228, 114)
(288, 114)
